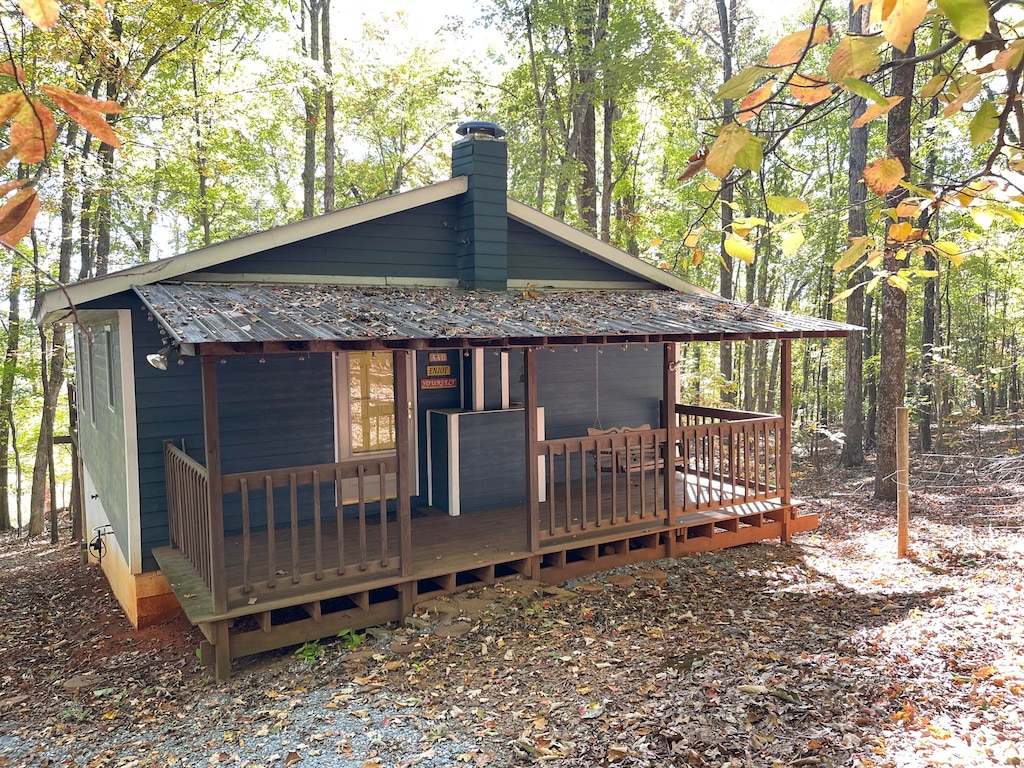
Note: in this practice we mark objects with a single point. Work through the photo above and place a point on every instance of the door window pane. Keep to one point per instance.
(371, 385)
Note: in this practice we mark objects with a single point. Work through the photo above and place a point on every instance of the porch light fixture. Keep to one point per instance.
(159, 359)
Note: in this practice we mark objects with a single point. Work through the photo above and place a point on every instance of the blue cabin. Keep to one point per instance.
(317, 426)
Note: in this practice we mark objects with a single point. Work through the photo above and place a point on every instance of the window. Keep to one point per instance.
(371, 394)
(108, 349)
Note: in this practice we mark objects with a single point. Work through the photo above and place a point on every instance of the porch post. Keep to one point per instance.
(403, 415)
(532, 475)
(211, 436)
(669, 396)
(785, 455)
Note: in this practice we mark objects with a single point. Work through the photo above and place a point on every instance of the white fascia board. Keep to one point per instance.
(55, 305)
(599, 249)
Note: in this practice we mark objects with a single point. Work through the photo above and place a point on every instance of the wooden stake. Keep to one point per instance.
(902, 481)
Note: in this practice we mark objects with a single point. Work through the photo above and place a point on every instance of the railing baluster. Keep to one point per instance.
(339, 510)
(597, 483)
(318, 574)
(268, 489)
(361, 475)
(382, 484)
(566, 471)
(246, 538)
(551, 490)
(293, 498)
(583, 489)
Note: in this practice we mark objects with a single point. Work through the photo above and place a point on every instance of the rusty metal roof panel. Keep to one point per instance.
(198, 313)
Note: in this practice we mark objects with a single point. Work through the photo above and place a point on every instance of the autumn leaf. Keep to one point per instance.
(862, 89)
(87, 112)
(1009, 57)
(18, 216)
(791, 241)
(934, 85)
(968, 17)
(984, 123)
(852, 254)
(884, 174)
(738, 85)
(10, 104)
(755, 101)
(697, 257)
(692, 236)
(902, 21)
(791, 48)
(855, 56)
(949, 250)
(34, 131)
(11, 69)
(739, 248)
(876, 110)
(42, 13)
(695, 164)
(617, 752)
(966, 89)
(910, 207)
(808, 89)
(902, 232)
(898, 281)
(723, 154)
(786, 206)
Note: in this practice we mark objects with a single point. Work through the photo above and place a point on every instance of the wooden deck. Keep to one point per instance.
(271, 606)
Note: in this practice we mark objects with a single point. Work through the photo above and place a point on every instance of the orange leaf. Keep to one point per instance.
(876, 110)
(10, 104)
(791, 48)
(6, 155)
(33, 132)
(966, 88)
(695, 164)
(7, 186)
(809, 89)
(904, 19)
(42, 13)
(884, 174)
(87, 112)
(755, 101)
(18, 216)
(11, 69)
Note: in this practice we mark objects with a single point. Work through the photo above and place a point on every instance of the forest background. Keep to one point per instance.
(729, 148)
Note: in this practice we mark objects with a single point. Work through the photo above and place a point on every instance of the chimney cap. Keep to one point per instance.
(481, 128)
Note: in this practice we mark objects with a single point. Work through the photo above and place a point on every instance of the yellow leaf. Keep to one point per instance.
(874, 259)
(910, 207)
(786, 206)
(11, 69)
(809, 89)
(852, 254)
(755, 101)
(42, 13)
(697, 257)
(791, 241)
(884, 174)
(656, 242)
(903, 20)
(692, 236)
(855, 56)
(33, 132)
(901, 232)
(87, 112)
(10, 104)
(876, 110)
(738, 85)
(739, 248)
(791, 48)
(617, 752)
(898, 281)
(969, 17)
(722, 156)
(843, 295)
(18, 216)
(966, 89)
(873, 283)
(934, 85)
(982, 216)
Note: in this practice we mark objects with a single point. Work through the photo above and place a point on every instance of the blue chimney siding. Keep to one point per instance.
(482, 237)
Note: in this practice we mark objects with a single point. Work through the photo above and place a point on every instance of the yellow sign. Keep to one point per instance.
(439, 370)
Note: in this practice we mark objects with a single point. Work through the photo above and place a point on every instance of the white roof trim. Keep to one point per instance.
(627, 262)
(59, 300)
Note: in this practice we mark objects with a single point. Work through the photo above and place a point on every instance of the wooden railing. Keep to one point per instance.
(188, 509)
(727, 457)
(313, 536)
(717, 458)
(582, 495)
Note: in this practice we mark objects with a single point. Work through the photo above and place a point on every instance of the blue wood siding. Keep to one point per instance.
(482, 248)
(492, 472)
(537, 258)
(102, 427)
(419, 244)
(429, 399)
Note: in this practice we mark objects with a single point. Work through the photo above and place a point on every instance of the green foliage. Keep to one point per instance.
(350, 639)
(309, 652)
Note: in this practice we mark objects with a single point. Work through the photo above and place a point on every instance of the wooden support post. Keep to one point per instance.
(669, 396)
(211, 435)
(532, 473)
(222, 650)
(786, 436)
(403, 421)
(902, 481)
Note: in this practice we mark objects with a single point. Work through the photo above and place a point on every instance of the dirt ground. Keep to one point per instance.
(827, 652)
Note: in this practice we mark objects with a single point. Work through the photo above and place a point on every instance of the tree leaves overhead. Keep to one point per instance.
(970, 18)
(809, 89)
(17, 216)
(884, 175)
(42, 13)
(34, 131)
(855, 56)
(731, 148)
(876, 110)
(791, 48)
(900, 20)
(87, 112)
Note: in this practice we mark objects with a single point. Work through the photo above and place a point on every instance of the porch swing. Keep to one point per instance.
(615, 456)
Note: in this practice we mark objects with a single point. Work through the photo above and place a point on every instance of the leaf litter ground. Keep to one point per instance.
(827, 652)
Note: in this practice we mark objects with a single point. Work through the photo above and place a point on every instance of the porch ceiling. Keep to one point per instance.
(246, 317)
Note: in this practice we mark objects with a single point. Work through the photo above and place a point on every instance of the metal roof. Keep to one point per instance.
(254, 314)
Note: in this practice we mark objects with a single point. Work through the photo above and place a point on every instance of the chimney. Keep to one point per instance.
(482, 251)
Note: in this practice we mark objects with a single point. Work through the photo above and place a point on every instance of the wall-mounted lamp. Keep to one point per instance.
(159, 359)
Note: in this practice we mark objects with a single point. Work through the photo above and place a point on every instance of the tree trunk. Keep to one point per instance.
(852, 454)
(539, 97)
(7, 388)
(607, 194)
(892, 379)
(586, 119)
(311, 104)
(727, 24)
(330, 148)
